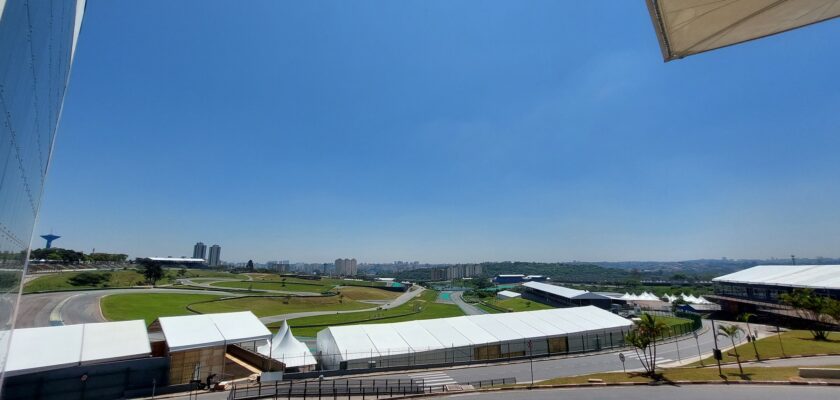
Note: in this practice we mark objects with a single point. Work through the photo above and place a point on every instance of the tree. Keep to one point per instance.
(182, 272)
(152, 272)
(250, 265)
(816, 309)
(731, 331)
(283, 282)
(745, 317)
(644, 338)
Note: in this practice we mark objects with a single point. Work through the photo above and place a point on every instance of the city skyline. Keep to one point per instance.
(393, 132)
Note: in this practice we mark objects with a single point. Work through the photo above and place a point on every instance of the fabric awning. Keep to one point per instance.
(687, 27)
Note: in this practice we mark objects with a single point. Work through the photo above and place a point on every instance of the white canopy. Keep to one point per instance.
(53, 347)
(284, 347)
(208, 330)
(351, 342)
(687, 27)
(507, 294)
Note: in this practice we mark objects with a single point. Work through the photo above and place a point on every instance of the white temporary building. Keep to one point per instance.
(53, 347)
(796, 276)
(506, 294)
(207, 330)
(284, 347)
(470, 338)
(686, 27)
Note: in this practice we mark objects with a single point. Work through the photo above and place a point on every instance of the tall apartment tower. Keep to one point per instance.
(215, 253)
(200, 251)
(37, 45)
(346, 267)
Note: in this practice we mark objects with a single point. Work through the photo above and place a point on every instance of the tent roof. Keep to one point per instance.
(53, 347)
(801, 276)
(362, 341)
(508, 293)
(554, 289)
(285, 348)
(687, 27)
(207, 330)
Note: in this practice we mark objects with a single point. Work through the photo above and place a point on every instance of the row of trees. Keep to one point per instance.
(69, 256)
(822, 311)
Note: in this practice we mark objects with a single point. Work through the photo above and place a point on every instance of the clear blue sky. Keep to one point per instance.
(441, 131)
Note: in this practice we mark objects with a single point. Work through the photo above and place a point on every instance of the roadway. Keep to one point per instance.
(469, 309)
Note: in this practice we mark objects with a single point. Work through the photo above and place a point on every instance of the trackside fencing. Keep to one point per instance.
(345, 388)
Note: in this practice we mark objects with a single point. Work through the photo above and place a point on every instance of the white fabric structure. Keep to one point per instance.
(506, 294)
(208, 330)
(797, 276)
(687, 27)
(463, 338)
(284, 347)
(53, 347)
(561, 291)
(690, 299)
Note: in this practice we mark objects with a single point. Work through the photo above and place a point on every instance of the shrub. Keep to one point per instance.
(89, 279)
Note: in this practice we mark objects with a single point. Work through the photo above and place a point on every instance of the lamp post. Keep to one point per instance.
(718, 354)
(531, 358)
(700, 356)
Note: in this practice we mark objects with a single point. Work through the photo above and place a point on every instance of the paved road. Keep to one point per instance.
(207, 283)
(467, 308)
(67, 308)
(688, 392)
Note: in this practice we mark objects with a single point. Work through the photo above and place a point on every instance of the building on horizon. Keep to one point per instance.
(346, 267)
(463, 271)
(37, 45)
(279, 266)
(200, 250)
(214, 259)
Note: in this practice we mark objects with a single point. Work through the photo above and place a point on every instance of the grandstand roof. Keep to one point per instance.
(798, 276)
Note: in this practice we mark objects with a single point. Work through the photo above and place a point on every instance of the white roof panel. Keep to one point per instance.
(416, 336)
(556, 290)
(801, 276)
(353, 342)
(471, 331)
(508, 293)
(239, 327)
(445, 333)
(53, 347)
(386, 339)
(40, 349)
(490, 324)
(190, 332)
(108, 341)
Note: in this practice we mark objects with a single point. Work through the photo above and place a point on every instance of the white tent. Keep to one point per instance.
(53, 347)
(472, 337)
(687, 27)
(284, 347)
(208, 330)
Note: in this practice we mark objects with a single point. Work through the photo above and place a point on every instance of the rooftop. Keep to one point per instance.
(798, 276)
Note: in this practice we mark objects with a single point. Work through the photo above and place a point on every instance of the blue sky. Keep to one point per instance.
(440, 131)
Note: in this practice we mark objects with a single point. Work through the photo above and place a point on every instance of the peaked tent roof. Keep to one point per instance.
(687, 27)
(285, 348)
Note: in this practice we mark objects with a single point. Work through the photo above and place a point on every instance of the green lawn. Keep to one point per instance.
(688, 374)
(422, 307)
(265, 306)
(149, 306)
(60, 281)
(515, 304)
(367, 293)
(795, 343)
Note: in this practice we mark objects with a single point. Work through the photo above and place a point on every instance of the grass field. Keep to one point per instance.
(425, 304)
(795, 343)
(149, 306)
(367, 293)
(265, 306)
(689, 374)
(288, 286)
(60, 281)
(515, 304)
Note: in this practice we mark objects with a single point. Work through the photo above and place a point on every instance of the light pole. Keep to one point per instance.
(677, 342)
(700, 356)
(531, 354)
(718, 354)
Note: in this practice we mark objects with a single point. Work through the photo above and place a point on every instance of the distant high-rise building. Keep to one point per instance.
(346, 267)
(200, 251)
(438, 274)
(215, 253)
(463, 271)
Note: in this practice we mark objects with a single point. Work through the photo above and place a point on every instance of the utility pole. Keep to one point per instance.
(531, 351)
(700, 356)
(718, 354)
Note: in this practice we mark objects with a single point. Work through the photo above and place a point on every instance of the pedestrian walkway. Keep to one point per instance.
(659, 360)
(435, 378)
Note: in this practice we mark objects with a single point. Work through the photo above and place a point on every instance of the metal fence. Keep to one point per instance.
(345, 388)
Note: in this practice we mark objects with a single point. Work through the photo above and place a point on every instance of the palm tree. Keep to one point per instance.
(644, 338)
(731, 331)
(745, 317)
